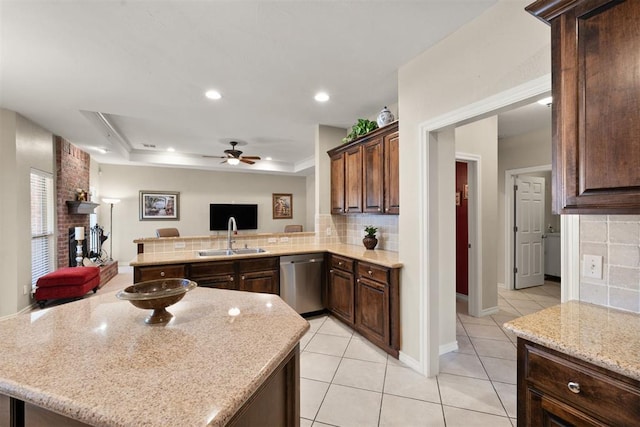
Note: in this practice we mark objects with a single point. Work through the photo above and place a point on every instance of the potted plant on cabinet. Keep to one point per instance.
(370, 241)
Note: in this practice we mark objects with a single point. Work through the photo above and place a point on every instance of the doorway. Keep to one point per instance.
(462, 231)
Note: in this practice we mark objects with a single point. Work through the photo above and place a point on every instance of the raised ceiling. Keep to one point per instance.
(129, 77)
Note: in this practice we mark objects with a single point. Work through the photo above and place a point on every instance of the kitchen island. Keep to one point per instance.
(226, 357)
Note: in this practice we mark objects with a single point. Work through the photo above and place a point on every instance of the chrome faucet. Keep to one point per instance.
(232, 221)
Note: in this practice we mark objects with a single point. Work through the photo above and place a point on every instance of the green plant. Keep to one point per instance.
(363, 127)
(371, 230)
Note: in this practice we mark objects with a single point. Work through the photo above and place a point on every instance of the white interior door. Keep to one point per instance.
(529, 228)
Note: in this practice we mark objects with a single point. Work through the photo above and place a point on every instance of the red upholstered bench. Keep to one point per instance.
(67, 282)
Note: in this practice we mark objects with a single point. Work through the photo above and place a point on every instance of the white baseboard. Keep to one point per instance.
(462, 297)
(448, 347)
(411, 362)
(502, 285)
(489, 311)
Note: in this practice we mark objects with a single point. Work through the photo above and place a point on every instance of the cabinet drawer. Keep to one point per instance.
(373, 272)
(160, 272)
(341, 263)
(223, 281)
(612, 400)
(204, 269)
(259, 264)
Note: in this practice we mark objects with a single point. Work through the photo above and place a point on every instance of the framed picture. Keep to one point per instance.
(159, 205)
(282, 206)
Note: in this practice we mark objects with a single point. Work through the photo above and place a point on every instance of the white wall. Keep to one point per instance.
(310, 181)
(501, 49)
(197, 190)
(23, 145)
(481, 138)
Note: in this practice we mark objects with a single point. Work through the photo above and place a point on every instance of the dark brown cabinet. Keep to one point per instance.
(555, 389)
(340, 294)
(157, 272)
(366, 297)
(260, 275)
(365, 174)
(218, 274)
(595, 48)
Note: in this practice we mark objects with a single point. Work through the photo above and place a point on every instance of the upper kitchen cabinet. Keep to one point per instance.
(595, 46)
(365, 174)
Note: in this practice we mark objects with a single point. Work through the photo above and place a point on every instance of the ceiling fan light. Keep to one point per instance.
(321, 97)
(233, 161)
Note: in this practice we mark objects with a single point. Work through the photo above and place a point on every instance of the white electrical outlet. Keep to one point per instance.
(284, 239)
(328, 231)
(592, 266)
(272, 240)
(179, 245)
(25, 290)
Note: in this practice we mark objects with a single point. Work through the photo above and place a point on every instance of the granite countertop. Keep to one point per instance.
(603, 336)
(95, 360)
(380, 257)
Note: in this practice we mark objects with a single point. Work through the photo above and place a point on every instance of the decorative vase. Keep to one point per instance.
(370, 242)
(385, 117)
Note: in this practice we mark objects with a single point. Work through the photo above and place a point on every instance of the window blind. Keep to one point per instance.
(42, 222)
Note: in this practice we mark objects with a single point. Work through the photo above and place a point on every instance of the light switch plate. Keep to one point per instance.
(284, 239)
(272, 240)
(592, 266)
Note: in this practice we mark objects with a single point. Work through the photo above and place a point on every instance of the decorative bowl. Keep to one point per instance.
(157, 295)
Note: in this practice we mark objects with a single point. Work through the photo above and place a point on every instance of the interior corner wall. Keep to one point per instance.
(481, 138)
(501, 49)
(72, 172)
(519, 152)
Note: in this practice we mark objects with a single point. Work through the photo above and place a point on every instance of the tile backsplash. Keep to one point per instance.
(616, 238)
(349, 229)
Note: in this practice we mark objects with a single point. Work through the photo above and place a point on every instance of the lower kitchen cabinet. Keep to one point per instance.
(157, 272)
(366, 297)
(555, 389)
(218, 274)
(260, 275)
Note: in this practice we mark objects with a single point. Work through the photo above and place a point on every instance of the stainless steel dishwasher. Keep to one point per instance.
(301, 282)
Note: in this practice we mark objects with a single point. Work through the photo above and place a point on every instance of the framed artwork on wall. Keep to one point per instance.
(282, 205)
(159, 205)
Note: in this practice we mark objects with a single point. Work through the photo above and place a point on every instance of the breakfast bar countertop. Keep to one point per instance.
(96, 361)
(603, 336)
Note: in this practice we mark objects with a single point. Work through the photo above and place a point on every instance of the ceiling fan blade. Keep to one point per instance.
(251, 157)
(244, 160)
(213, 157)
(224, 161)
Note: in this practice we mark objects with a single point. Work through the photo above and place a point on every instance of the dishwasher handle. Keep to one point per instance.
(306, 261)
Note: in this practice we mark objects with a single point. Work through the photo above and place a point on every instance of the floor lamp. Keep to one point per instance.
(111, 202)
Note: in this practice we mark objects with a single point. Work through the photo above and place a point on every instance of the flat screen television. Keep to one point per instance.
(246, 216)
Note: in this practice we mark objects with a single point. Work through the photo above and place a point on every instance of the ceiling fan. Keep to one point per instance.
(234, 157)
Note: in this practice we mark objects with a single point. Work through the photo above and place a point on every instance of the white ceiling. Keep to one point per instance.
(119, 75)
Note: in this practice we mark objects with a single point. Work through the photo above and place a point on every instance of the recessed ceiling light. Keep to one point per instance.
(213, 94)
(546, 101)
(171, 149)
(321, 97)
(268, 158)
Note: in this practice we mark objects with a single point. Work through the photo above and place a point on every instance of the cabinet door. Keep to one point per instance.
(372, 310)
(340, 295)
(596, 131)
(392, 174)
(373, 171)
(337, 184)
(260, 281)
(143, 274)
(353, 180)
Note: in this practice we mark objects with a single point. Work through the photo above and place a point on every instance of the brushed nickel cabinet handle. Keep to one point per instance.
(231, 278)
(162, 274)
(370, 272)
(242, 277)
(574, 387)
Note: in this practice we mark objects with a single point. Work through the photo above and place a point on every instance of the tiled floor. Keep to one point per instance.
(346, 381)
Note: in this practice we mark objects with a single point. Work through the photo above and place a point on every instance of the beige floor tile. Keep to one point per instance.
(305, 422)
(514, 295)
(406, 382)
(347, 406)
(456, 417)
(485, 331)
(501, 370)
(487, 320)
(464, 345)
(319, 424)
(467, 365)
(361, 349)
(494, 348)
(334, 327)
(311, 395)
(469, 393)
(328, 344)
(316, 322)
(392, 361)
(503, 317)
(360, 374)
(320, 367)
(400, 411)
(528, 305)
(508, 394)
(508, 308)
(305, 339)
(460, 329)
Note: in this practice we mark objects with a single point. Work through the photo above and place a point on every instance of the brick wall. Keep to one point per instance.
(72, 171)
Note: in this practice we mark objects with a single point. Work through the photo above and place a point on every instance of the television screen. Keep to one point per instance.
(246, 216)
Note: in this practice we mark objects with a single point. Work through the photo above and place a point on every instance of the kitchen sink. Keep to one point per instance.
(227, 252)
